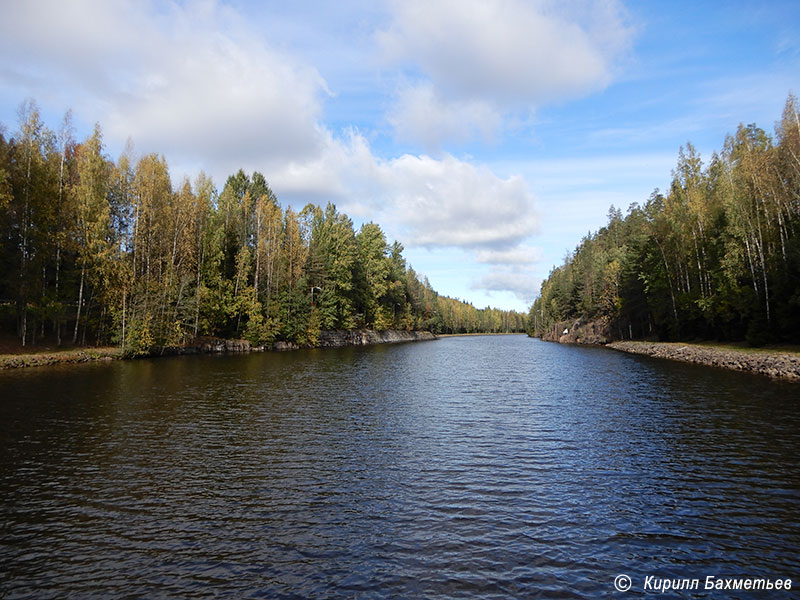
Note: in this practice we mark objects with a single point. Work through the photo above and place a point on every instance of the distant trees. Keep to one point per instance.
(97, 251)
(718, 256)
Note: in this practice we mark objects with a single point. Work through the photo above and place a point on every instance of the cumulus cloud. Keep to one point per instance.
(431, 202)
(234, 102)
(190, 80)
(78, 42)
(420, 114)
(507, 54)
(505, 49)
(345, 171)
(449, 202)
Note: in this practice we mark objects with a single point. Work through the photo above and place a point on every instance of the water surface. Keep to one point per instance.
(491, 467)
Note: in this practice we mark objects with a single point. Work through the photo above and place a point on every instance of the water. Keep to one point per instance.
(490, 467)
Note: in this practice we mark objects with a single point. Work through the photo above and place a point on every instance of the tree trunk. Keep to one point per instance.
(669, 281)
(24, 253)
(80, 303)
(57, 323)
(124, 314)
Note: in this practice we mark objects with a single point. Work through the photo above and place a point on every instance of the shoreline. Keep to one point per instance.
(327, 339)
(773, 363)
(444, 335)
(777, 363)
(60, 357)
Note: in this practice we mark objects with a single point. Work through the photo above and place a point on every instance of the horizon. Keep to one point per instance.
(488, 161)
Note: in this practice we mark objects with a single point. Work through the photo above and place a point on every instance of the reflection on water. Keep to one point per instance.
(466, 467)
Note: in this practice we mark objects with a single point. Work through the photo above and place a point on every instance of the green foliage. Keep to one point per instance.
(139, 337)
(260, 329)
(717, 257)
(115, 252)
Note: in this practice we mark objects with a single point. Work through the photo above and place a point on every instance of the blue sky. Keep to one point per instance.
(487, 136)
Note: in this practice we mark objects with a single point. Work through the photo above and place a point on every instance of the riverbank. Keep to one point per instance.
(443, 335)
(340, 338)
(775, 363)
(15, 358)
(60, 357)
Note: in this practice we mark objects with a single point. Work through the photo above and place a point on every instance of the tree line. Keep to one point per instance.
(99, 251)
(716, 257)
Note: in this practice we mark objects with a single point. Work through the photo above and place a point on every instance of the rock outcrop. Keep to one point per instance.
(365, 337)
(207, 345)
(579, 332)
(218, 345)
(336, 338)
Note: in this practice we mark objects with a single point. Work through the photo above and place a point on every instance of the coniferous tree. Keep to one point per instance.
(146, 265)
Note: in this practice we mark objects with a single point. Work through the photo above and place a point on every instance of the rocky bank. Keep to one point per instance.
(336, 338)
(327, 339)
(339, 338)
(774, 364)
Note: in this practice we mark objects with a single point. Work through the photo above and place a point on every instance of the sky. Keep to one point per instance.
(487, 136)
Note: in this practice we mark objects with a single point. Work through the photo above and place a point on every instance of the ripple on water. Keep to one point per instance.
(489, 467)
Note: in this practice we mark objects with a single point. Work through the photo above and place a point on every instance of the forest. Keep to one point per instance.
(95, 251)
(716, 257)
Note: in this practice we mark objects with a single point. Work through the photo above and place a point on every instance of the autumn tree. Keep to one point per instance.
(147, 265)
(93, 220)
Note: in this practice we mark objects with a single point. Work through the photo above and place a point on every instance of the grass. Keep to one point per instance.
(50, 357)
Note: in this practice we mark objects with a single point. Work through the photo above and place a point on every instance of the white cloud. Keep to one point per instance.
(448, 202)
(518, 255)
(506, 49)
(344, 172)
(420, 114)
(512, 270)
(81, 42)
(444, 202)
(218, 100)
(192, 80)
(502, 53)
(523, 284)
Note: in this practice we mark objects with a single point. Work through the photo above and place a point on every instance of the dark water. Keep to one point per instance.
(485, 467)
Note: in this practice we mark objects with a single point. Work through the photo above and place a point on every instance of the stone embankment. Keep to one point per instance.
(778, 364)
(366, 337)
(208, 346)
(773, 363)
(340, 338)
(336, 338)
